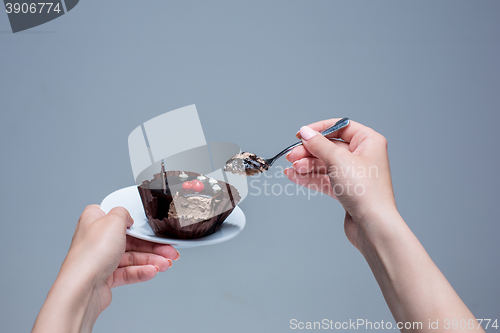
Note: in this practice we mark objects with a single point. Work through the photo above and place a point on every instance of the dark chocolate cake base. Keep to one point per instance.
(156, 205)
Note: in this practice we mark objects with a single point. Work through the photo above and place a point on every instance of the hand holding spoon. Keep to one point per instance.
(249, 164)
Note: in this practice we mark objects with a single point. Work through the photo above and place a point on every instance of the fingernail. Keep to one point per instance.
(298, 135)
(293, 164)
(170, 263)
(307, 133)
(285, 171)
(178, 255)
(286, 157)
(157, 269)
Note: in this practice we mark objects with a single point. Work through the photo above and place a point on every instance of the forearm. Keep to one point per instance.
(68, 305)
(413, 286)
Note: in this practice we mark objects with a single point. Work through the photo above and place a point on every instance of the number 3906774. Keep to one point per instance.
(32, 8)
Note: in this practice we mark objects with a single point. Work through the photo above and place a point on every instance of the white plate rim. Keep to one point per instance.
(232, 226)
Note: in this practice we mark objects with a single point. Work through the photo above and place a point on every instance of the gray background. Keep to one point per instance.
(425, 74)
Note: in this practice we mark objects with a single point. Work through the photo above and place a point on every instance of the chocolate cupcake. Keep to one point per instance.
(186, 205)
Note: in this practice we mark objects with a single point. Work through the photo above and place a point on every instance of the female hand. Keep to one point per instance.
(355, 170)
(101, 257)
(101, 248)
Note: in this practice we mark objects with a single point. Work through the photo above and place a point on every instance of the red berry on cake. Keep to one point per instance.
(187, 185)
(198, 186)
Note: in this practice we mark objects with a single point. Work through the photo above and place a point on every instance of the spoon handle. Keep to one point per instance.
(337, 126)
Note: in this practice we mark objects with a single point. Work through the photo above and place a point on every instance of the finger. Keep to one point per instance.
(91, 214)
(312, 181)
(320, 126)
(121, 215)
(345, 133)
(132, 274)
(164, 250)
(321, 147)
(297, 153)
(300, 152)
(310, 165)
(141, 259)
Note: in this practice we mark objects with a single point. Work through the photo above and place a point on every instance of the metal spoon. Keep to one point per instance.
(250, 164)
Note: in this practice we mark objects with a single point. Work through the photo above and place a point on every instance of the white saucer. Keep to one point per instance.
(130, 199)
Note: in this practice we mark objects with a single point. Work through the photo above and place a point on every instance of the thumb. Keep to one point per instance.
(121, 216)
(319, 146)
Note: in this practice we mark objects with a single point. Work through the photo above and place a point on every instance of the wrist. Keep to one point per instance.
(390, 247)
(81, 266)
(69, 306)
(380, 229)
